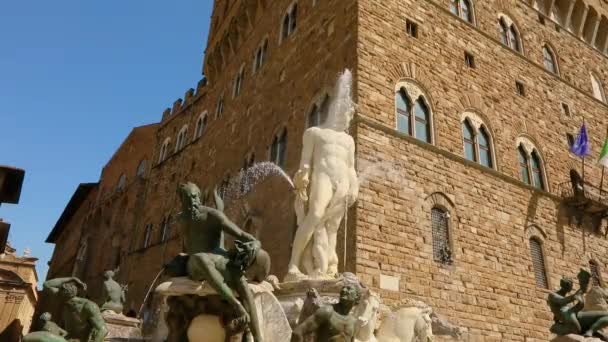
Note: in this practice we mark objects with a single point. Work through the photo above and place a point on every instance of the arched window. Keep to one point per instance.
(147, 235)
(598, 88)
(219, 109)
(468, 133)
(238, 82)
(318, 113)
(260, 56)
(413, 117)
(442, 251)
(201, 123)
(531, 167)
(122, 182)
(509, 35)
(165, 229)
(477, 142)
(594, 269)
(538, 263)
(289, 21)
(524, 171)
(423, 125)
(537, 173)
(181, 138)
(404, 108)
(485, 152)
(549, 60)
(164, 150)
(463, 9)
(278, 149)
(141, 169)
(314, 117)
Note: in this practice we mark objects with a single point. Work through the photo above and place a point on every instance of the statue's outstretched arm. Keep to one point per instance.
(230, 227)
(53, 285)
(559, 300)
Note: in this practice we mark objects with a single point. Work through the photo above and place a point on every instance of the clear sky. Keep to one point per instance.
(75, 77)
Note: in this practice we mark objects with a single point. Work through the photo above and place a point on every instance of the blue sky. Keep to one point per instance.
(75, 77)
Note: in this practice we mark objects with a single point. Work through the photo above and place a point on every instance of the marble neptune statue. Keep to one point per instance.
(326, 185)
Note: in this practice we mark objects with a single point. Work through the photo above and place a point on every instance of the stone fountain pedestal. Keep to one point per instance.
(121, 327)
(194, 311)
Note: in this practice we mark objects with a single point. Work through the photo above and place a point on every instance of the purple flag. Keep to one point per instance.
(581, 144)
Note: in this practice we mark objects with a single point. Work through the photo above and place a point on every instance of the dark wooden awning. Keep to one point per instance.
(11, 180)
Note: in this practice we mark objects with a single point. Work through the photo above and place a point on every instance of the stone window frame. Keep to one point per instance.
(478, 123)
(413, 90)
(164, 150)
(165, 229)
(122, 182)
(148, 231)
(291, 17)
(319, 104)
(458, 13)
(548, 48)
(510, 27)
(141, 169)
(237, 85)
(530, 148)
(181, 138)
(219, 107)
(442, 201)
(201, 124)
(599, 93)
(275, 157)
(260, 55)
(533, 231)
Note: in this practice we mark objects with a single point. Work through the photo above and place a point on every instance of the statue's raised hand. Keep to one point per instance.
(80, 283)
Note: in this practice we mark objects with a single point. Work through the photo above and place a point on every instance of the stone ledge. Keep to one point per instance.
(575, 338)
(184, 286)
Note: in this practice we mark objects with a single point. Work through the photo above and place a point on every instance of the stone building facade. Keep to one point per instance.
(18, 294)
(466, 110)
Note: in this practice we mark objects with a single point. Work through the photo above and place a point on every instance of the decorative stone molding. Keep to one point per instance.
(534, 231)
(473, 118)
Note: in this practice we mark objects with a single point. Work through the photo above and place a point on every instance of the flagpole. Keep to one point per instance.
(583, 160)
(603, 170)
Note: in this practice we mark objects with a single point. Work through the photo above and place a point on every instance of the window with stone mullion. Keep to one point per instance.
(314, 118)
(470, 150)
(404, 108)
(461, 8)
(549, 60)
(524, 168)
(485, 153)
(293, 18)
(537, 175)
(422, 122)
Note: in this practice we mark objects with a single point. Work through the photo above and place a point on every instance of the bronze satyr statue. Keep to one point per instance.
(567, 310)
(82, 319)
(113, 294)
(332, 323)
(203, 238)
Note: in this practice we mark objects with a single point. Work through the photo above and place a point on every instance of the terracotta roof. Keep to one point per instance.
(10, 187)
